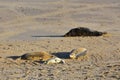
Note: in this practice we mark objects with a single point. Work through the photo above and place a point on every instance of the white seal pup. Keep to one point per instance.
(54, 60)
(76, 53)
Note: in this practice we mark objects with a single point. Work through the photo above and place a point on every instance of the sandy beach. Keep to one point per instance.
(37, 25)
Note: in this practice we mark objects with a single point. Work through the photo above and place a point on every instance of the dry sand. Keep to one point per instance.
(36, 25)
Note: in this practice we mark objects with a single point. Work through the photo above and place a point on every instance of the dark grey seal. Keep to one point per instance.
(82, 31)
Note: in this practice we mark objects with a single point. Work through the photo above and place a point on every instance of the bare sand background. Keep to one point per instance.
(35, 25)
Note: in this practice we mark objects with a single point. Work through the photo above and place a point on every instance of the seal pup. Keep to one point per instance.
(42, 56)
(54, 60)
(82, 31)
(77, 53)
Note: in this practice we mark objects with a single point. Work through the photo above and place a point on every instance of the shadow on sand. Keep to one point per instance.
(62, 55)
(14, 57)
(49, 36)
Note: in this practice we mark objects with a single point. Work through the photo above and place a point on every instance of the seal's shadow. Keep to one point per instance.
(49, 36)
(62, 55)
(13, 57)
